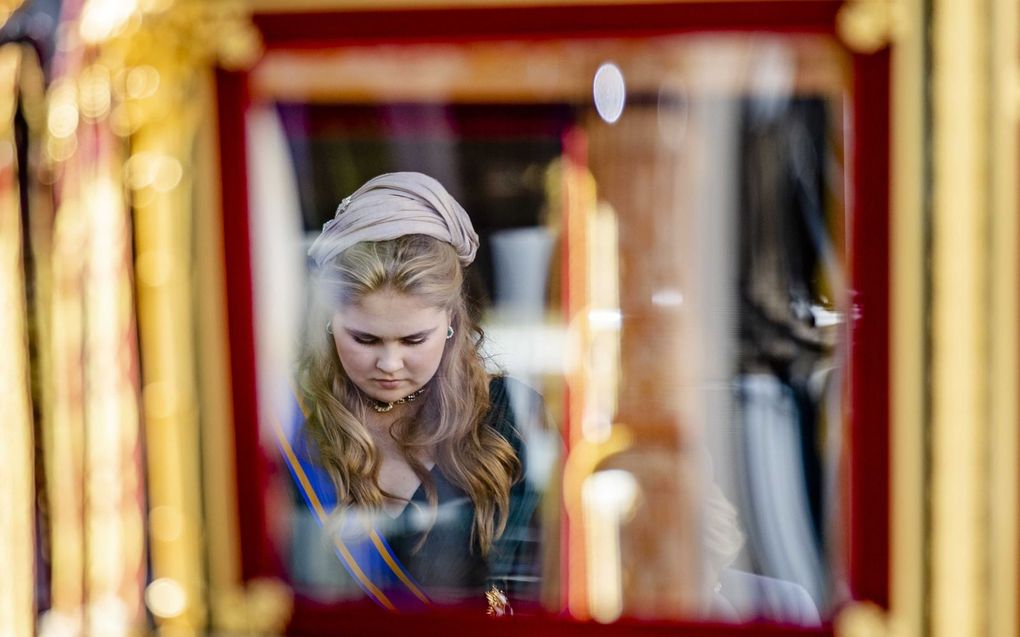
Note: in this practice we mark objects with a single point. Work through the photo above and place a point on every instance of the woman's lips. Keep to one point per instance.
(388, 384)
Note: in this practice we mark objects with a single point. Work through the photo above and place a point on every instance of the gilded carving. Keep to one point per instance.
(262, 607)
(862, 619)
(7, 9)
(866, 26)
(138, 79)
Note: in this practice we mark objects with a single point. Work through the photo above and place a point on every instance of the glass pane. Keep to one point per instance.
(661, 274)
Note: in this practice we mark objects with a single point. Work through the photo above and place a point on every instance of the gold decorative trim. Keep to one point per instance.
(264, 605)
(174, 140)
(225, 27)
(974, 320)
(161, 119)
(420, 71)
(7, 9)
(863, 619)
(228, 603)
(908, 326)
(17, 527)
(261, 607)
(1004, 314)
(90, 416)
(157, 99)
(866, 26)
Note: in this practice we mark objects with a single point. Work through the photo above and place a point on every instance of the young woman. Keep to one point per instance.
(418, 453)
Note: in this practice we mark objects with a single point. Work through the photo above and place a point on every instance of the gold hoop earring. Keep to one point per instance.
(329, 327)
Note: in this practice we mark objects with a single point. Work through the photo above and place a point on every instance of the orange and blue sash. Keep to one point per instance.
(362, 550)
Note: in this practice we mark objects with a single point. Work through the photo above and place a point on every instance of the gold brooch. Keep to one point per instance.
(499, 605)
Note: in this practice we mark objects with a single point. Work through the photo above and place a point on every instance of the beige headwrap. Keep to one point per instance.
(394, 205)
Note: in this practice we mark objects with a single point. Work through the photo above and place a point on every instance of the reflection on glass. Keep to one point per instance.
(408, 452)
(664, 284)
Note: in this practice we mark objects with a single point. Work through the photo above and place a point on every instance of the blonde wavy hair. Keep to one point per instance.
(448, 421)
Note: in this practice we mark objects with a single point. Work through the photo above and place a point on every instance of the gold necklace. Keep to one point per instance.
(382, 408)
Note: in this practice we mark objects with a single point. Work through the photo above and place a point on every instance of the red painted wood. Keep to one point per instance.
(356, 620)
(869, 347)
(315, 30)
(258, 554)
(868, 490)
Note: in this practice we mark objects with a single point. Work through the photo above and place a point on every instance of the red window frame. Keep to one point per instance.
(866, 495)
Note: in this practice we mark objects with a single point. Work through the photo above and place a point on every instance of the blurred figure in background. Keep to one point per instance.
(740, 596)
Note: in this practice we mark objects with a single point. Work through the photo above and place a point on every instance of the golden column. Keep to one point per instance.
(17, 604)
(974, 318)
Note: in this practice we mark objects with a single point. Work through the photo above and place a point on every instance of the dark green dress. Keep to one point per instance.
(448, 565)
(443, 560)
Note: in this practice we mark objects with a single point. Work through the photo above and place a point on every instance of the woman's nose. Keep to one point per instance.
(389, 360)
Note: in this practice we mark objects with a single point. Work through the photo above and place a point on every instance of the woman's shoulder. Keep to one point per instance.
(754, 596)
(502, 386)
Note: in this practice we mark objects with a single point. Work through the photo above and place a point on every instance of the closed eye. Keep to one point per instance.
(418, 340)
(365, 340)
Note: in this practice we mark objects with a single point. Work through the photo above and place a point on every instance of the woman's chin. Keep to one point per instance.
(388, 395)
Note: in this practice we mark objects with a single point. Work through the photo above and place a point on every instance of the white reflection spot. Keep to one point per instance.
(604, 319)
(610, 92)
(165, 598)
(824, 317)
(612, 490)
(527, 348)
(668, 298)
(608, 498)
(773, 78)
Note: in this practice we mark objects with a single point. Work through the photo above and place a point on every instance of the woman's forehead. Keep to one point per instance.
(394, 313)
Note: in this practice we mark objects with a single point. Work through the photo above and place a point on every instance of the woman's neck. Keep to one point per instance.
(379, 426)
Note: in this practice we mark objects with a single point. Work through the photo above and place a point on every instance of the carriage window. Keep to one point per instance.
(661, 273)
